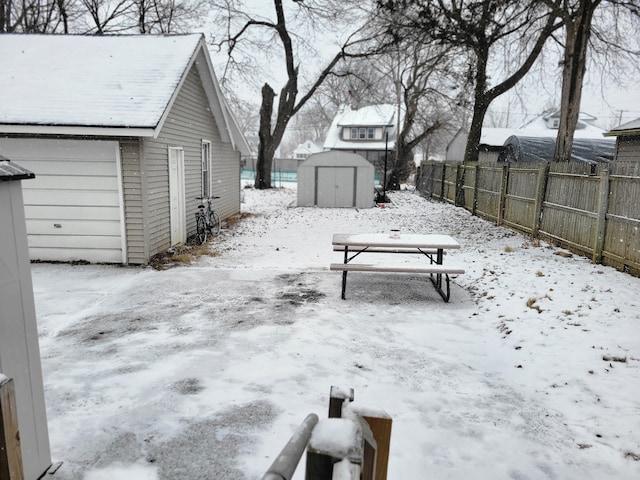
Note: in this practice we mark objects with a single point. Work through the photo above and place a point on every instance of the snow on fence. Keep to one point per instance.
(589, 209)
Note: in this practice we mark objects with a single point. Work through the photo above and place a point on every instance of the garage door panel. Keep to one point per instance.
(74, 241)
(78, 182)
(73, 227)
(73, 206)
(66, 255)
(58, 149)
(51, 212)
(71, 198)
(67, 168)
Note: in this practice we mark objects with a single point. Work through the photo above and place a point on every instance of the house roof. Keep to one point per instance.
(71, 83)
(629, 128)
(383, 115)
(308, 147)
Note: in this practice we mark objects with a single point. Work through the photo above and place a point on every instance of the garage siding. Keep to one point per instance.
(134, 198)
(188, 123)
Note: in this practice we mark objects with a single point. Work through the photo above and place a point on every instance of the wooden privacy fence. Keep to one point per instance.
(592, 210)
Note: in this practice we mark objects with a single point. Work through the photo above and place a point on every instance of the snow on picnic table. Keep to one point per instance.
(204, 371)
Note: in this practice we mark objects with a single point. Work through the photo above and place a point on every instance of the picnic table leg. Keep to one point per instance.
(437, 281)
(344, 273)
(344, 283)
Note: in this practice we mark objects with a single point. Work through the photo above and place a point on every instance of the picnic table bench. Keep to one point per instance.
(431, 246)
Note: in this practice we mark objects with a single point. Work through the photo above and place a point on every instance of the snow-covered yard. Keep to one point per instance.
(203, 371)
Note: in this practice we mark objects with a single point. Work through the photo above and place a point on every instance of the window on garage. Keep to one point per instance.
(206, 168)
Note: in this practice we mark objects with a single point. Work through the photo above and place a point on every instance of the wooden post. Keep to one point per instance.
(442, 180)
(541, 188)
(381, 430)
(503, 193)
(10, 452)
(337, 396)
(603, 206)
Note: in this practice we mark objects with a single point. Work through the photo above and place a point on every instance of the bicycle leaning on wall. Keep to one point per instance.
(207, 220)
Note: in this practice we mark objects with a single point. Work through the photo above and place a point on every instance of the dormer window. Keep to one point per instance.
(363, 133)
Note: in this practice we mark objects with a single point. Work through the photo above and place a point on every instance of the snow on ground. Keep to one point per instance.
(204, 371)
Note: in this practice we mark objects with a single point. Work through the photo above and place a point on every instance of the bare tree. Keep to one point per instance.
(168, 16)
(580, 24)
(480, 31)
(35, 16)
(309, 17)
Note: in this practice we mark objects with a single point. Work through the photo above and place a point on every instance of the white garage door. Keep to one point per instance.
(73, 207)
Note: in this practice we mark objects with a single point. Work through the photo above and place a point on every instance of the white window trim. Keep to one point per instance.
(205, 167)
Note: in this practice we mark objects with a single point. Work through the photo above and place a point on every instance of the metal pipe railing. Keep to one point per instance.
(284, 466)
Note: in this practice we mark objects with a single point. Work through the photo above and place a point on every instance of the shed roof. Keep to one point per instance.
(12, 171)
(629, 128)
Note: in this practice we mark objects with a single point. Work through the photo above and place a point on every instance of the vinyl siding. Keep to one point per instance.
(134, 200)
(628, 148)
(188, 123)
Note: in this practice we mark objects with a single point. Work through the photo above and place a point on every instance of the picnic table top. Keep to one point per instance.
(398, 240)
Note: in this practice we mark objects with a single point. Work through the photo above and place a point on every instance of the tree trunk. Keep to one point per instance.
(266, 148)
(578, 31)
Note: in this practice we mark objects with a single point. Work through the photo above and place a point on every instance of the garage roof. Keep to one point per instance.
(101, 82)
(90, 80)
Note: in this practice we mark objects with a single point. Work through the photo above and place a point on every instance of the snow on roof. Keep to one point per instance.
(629, 128)
(102, 81)
(371, 116)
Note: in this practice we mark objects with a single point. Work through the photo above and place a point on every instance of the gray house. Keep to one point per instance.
(123, 133)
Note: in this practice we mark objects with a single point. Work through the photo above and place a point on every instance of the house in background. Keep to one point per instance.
(368, 131)
(542, 126)
(305, 149)
(123, 133)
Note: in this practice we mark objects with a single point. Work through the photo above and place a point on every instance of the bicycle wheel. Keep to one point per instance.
(201, 230)
(214, 223)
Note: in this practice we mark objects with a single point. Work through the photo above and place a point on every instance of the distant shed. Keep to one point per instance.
(335, 179)
(520, 149)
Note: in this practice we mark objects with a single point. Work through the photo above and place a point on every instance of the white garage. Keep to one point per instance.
(74, 207)
(335, 179)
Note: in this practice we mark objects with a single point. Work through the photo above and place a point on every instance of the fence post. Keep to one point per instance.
(443, 178)
(543, 173)
(476, 170)
(603, 207)
(10, 451)
(503, 193)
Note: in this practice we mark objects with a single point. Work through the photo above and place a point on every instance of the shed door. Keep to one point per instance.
(73, 208)
(335, 187)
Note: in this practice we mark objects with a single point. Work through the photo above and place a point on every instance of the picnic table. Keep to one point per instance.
(431, 246)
